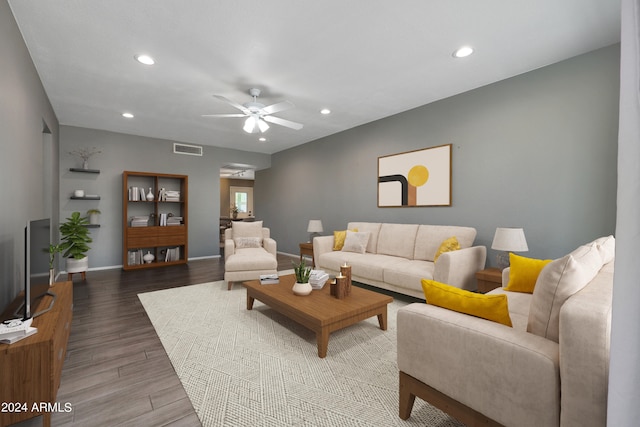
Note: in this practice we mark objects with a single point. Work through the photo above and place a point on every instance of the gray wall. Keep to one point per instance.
(536, 151)
(122, 152)
(28, 156)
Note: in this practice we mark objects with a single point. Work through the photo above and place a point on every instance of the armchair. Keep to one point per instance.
(249, 252)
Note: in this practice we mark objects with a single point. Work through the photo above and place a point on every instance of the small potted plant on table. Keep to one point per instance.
(302, 285)
(74, 243)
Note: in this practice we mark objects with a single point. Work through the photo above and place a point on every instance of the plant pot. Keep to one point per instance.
(94, 218)
(77, 265)
(52, 276)
(302, 289)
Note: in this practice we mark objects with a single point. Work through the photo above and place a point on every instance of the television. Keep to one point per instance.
(36, 261)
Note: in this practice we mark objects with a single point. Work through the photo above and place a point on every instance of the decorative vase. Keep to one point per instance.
(94, 218)
(302, 288)
(85, 164)
(150, 195)
(52, 276)
(234, 214)
(149, 257)
(77, 265)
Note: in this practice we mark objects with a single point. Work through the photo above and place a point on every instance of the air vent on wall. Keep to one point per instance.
(191, 150)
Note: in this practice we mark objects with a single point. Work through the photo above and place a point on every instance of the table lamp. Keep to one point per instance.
(508, 240)
(314, 228)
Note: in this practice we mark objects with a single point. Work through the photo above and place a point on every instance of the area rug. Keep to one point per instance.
(258, 368)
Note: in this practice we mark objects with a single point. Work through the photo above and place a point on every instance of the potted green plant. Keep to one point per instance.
(53, 250)
(302, 272)
(234, 211)
(74, 243)
(94, 216)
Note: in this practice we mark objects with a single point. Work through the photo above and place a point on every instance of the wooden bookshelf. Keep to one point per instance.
(159, 240)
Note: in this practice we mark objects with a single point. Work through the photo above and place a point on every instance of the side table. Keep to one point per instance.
(489, 279)
(307, 249)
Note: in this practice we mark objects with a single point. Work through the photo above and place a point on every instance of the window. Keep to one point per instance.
(242, 198)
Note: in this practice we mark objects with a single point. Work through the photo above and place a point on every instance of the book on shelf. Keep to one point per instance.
(172, 254)
(135, 257)
(140, 221)
(165, 195)
(269, 279)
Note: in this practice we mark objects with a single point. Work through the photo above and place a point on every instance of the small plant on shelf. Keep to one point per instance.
(85, 154)
(94, 216)
(302, 272)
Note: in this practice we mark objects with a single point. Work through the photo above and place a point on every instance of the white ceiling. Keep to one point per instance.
(363, 59)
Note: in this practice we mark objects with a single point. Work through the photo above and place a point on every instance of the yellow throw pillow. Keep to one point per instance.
(524, 272)
(490, 307)
(338, 239)
(447, 245)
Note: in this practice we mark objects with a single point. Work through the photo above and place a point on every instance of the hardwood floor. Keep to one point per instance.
(116, 371)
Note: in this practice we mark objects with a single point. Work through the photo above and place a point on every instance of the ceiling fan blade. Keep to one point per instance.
(280, 106)
(232, 103)
(283, 122)
(224, 115)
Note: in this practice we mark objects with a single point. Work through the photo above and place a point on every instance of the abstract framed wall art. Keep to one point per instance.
(415, 178)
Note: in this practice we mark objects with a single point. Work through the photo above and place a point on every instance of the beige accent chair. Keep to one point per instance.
(249, 252)
(550, 369)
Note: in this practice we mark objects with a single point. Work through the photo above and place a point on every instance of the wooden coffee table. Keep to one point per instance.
(319, 311)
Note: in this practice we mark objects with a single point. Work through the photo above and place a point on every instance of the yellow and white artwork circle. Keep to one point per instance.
(418, 175)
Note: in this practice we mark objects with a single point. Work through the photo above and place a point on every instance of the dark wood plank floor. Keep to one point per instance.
(116, 371)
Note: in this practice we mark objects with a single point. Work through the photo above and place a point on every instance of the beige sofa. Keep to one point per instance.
(398, 256)
(549, 369)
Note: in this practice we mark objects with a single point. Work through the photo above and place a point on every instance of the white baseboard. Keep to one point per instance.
(113, 267)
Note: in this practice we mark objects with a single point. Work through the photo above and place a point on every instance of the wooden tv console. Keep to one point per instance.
(30, 369)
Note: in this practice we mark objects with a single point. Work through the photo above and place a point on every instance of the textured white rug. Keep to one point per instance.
(258, 368)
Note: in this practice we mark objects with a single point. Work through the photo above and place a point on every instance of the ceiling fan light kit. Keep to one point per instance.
(258, 114)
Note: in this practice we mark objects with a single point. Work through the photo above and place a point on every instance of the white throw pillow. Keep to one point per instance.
(246, 229)
(248, 242)
(556, 283)
(356, 241)
(607, 248)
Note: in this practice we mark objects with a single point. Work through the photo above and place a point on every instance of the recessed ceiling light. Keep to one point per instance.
(325, 111)
(145, 59)
(127, 115)
(262, 139)
(463, 52)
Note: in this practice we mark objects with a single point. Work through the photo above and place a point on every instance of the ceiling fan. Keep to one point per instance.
(258, 114)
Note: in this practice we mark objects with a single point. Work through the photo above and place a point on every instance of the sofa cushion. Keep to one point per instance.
(248, 242)
(397, 240)
(246, 229)
(490, 307)
(430, 237)
(373, 228)
(356, 241)
(524, 272)
(338, 239)
(251, 259)
(607, 248)
(557, 281)
(448, 245)
(407, 273)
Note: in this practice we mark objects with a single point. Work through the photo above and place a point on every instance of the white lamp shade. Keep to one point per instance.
(315, 226)
(509, 240)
